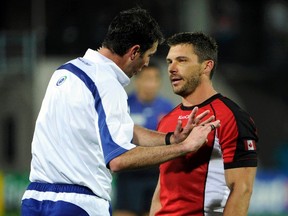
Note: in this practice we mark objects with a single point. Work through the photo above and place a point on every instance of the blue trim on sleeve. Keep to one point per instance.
(110, 148)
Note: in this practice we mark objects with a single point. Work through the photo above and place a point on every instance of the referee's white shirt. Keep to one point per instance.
(82, 125)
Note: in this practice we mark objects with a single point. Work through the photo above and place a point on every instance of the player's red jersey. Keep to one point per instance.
(195, 184)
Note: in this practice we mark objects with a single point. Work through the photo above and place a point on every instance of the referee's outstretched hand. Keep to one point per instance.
(198, 136)
(181, 133)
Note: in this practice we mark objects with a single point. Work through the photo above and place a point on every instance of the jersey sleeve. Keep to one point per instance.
(238, 137)
(115, 123)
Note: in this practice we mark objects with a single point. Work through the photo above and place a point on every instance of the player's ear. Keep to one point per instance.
(208, 66)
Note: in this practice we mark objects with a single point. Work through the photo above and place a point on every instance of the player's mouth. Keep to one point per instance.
(175, 80)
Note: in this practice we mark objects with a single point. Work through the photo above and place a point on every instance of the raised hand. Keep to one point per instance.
(194, 120)
(199, 134)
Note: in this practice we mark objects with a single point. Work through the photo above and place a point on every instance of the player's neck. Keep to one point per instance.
(201, 94)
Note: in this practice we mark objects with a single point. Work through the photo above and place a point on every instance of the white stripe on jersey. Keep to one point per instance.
(215, 186)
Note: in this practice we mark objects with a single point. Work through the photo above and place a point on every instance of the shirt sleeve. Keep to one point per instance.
(238, 138)
(114, 121)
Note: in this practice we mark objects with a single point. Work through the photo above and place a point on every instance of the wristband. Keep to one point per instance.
(167, 138)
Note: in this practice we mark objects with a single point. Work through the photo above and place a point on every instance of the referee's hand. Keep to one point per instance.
(198, 136)
(181, 133)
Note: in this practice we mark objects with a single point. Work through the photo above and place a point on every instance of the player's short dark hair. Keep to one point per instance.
(132, 27)
(205, 47)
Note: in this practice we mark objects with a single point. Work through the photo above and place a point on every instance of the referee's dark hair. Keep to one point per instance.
(132, 27)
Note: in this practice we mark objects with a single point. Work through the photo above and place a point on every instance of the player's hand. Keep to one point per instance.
(198, 136)
(181, 133)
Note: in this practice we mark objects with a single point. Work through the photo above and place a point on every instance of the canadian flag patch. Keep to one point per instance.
(250, 145)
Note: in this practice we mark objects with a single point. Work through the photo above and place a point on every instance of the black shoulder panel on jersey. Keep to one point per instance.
(245, 156)
(245, 123)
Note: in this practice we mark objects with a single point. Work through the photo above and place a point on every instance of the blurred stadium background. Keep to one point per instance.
(36, 36)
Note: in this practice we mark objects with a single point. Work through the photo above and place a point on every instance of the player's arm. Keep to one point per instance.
(240, 182)
(145, 137)
(155, 204)
(140, 156)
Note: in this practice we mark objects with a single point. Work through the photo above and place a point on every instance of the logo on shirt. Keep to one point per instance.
(250, 145)
(61, 80)
(183, 117)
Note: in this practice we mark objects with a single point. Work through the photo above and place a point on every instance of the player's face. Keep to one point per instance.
(141, 60)
(184, 69)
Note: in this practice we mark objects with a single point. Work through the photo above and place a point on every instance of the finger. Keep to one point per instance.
(201, 116)
(217, 123)
(210, 127)
(214, 125)
(210, 119)
(178, 128)
(192, 116)
(191, 120)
